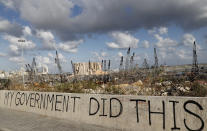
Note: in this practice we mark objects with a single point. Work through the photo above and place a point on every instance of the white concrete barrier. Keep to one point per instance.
(140, 113)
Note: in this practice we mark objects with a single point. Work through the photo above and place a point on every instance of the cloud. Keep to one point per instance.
(17, 59)
(60, 55)
(8, 3)
(49, 42)
(70, 46)
(106, 16)
(173, 56)
(2, 54)
(96, 56)
(48, 61)
(103, 54)
(205, 37)
(122, 40)
(184, 54)
(163, 30)
(137, 58)
(48, 39)
(43, 60)
(172, 50)
(16, 47)
(120, 54)
(51, 55)
(152, 31)
(99, 56)
(10, 28)
(164, 42)
(27, 31)
(145, 44)
(188, 40)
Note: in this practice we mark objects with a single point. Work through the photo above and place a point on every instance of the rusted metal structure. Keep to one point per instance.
(195, 68)
(32, 70)
(109, 65)
(132, 61)
(127, 59)
(156, 63)
(121, 63)
(145, 64)
(57, 61)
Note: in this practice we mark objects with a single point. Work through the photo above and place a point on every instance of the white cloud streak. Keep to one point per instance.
(16, 47)
(122, 40)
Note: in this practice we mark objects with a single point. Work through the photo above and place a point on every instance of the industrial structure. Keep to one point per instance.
(195, 69)
(145, 64)
(32, 70)
(100, 77)
(156, 63)
(132, 61)
(87, 68)
(121, 63)
(127, 59)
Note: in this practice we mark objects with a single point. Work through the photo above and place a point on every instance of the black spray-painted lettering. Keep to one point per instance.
(50, 100)
(42, 101)
(120, 107)
(8, 96)
(32, 100)
(192, 113)
(74, 97)
(103, 113)
(17, 99)
(58, 102)
(137, 107)
(111, 107)
(65, 103)
(152, 112)
(37, 98)
(174, 116)
(98, 106)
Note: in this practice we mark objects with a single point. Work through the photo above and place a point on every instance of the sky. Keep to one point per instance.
(83, 30)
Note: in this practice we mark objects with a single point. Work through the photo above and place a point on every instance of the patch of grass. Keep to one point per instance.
(69, 87)
(89, 85)
(115, 90)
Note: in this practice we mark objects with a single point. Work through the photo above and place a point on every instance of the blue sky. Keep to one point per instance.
(81, 30)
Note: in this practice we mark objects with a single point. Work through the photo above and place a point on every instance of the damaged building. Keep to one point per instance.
(87, 68)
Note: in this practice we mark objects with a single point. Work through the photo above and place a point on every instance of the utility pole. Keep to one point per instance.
(22, 41)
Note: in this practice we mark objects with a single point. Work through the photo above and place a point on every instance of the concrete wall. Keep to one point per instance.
(140, 113)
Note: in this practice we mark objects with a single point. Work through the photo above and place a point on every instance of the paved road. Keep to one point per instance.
(11, 120)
